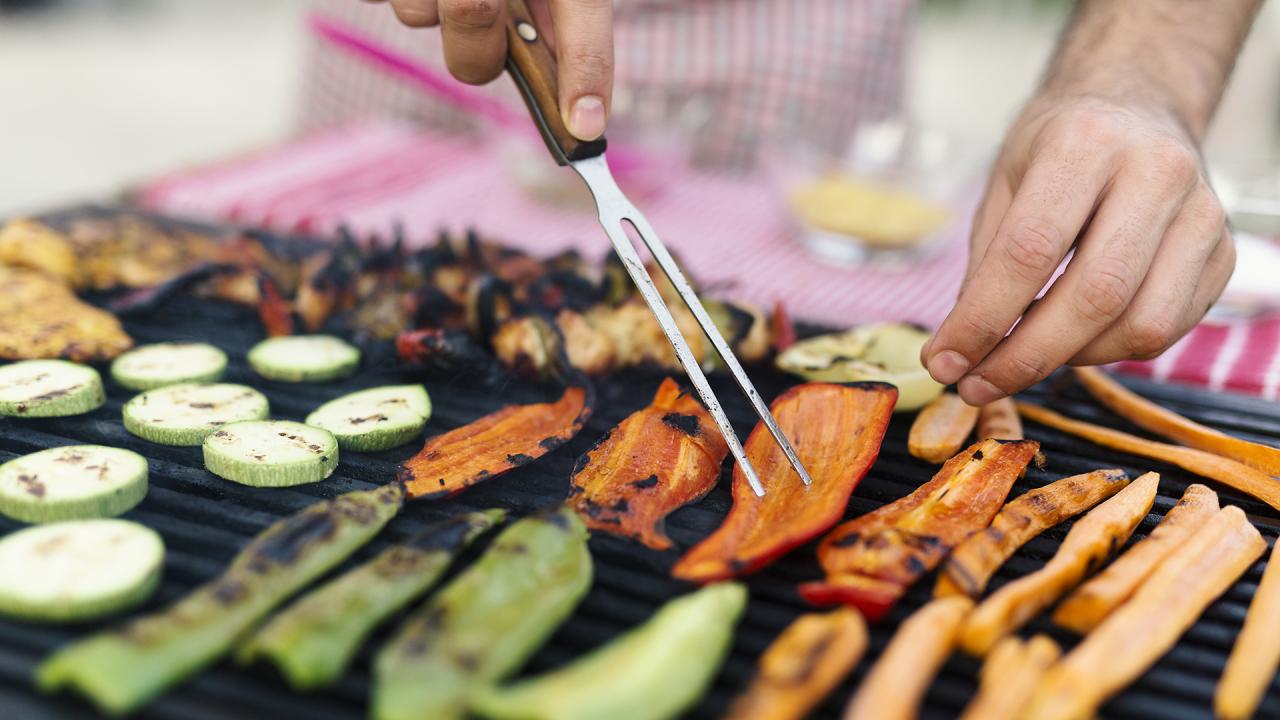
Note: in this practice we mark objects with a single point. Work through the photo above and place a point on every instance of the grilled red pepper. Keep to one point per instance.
(501, 441)
(870, 561)
(836, 430)
(275, 312)
(660, 458)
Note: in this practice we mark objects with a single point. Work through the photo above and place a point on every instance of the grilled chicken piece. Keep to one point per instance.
(44, 319)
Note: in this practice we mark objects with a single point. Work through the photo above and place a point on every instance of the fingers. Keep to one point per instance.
(1102, 279)
(416, 13)
(584, 51)
(475, 40)
(1053, 202)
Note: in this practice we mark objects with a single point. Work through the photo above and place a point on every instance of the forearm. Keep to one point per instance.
(1174, 55)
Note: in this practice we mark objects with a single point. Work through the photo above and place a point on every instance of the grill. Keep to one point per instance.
(205, 520)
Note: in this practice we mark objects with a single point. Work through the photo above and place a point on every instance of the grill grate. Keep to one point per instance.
(205, 520)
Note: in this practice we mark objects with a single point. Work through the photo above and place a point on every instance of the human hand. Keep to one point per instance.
(579, 31)
(1122, 182)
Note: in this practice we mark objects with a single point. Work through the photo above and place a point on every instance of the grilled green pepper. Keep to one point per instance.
(122, 669)
(313, 640)
(486, 622)
(655, 671)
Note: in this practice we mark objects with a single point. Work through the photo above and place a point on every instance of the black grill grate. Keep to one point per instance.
(205, 520)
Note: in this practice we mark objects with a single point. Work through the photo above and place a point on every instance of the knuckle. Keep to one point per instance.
(1090, 126)
(471, 14)
(414, 14)
(1018, 371)
(1032, 248)
(591, 66)
(1106, 294)
(978, 331)
(1150, 336)
(1173, 162)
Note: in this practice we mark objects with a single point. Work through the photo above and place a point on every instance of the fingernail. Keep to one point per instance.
(948, 366)
(586, 118)
(977, 391)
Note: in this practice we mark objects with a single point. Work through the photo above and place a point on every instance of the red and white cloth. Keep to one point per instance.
(731, 233)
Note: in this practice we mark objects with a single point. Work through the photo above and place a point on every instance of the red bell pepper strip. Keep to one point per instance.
(871, 561)
(662, 457)
(836, 430)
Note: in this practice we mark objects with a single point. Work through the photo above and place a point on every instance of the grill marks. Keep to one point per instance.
(658, 459)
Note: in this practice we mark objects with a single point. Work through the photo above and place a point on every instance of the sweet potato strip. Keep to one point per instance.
(1009, 676)
(500, 441)
(896, 684)
(1104, 592)
(803, 665)
(870, 561)
(1166, 423)
(660, 458)
(836, 430)
(941, 428)
(1256, 654)
(970, 566)
(1143, 629)
(1239, 476)
(1091, 540)
(999, 421)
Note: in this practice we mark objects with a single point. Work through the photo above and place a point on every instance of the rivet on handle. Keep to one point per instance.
(527, 31)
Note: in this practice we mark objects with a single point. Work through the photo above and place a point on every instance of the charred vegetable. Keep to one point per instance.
(870, 561)
(885, 353)
(974, 561)
(653, 672)
(803, 665)
(500, 441)
(121, 670)
(485, 623)
(1009, 676)
(1256, 654)
(49, 388)
(72, 482)
(661, 458)
(999, 421)
(942, 428)
(836, 430)
(313, 640)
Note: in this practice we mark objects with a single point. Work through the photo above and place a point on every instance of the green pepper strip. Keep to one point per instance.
(654, 671)
(122, 669)
(314, 640)
(486, 622)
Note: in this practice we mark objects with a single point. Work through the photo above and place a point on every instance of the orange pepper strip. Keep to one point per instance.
(870, 561)
(941, 428)
(970, 566)
(999, 420)
(1134, 637)
(803, 665)
(1231, 473)
(836, 430)
(659, 459)
(1009, 676)
(500, 441)
(1161, 421)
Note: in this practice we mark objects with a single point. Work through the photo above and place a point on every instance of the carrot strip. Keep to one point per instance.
(836, 430)
(1162, 421)
(660, 458)
(1233, 474)
(1143, 629)
(896, 684)
(496, 443)
(941, 428)
(803, 665)
(871, 560)
(1086, 546)
(1009, 677)
(1256, 654)
(999, 420)
(970, 566)
(1104, 592)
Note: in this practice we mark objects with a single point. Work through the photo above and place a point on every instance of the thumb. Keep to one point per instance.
(584, 53)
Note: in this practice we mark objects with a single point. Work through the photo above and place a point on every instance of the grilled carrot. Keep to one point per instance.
(970, 566)
(805, 663)
(999, 421)
(1256, 654)
(1133, 637)
(941, 428)
(1233, 474)
(1009, 677)
(1087, 545)
(1162, 421)
(1103, 593)
(896, 684)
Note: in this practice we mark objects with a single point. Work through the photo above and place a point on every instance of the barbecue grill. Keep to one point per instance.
(205, 520)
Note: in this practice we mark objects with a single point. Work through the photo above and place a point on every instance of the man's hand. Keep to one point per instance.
(475, 48)
(1104, 160)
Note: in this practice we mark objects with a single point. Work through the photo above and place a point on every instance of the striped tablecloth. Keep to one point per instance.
(731, 233)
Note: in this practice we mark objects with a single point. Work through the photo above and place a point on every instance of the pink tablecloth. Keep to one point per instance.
(732, 234)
